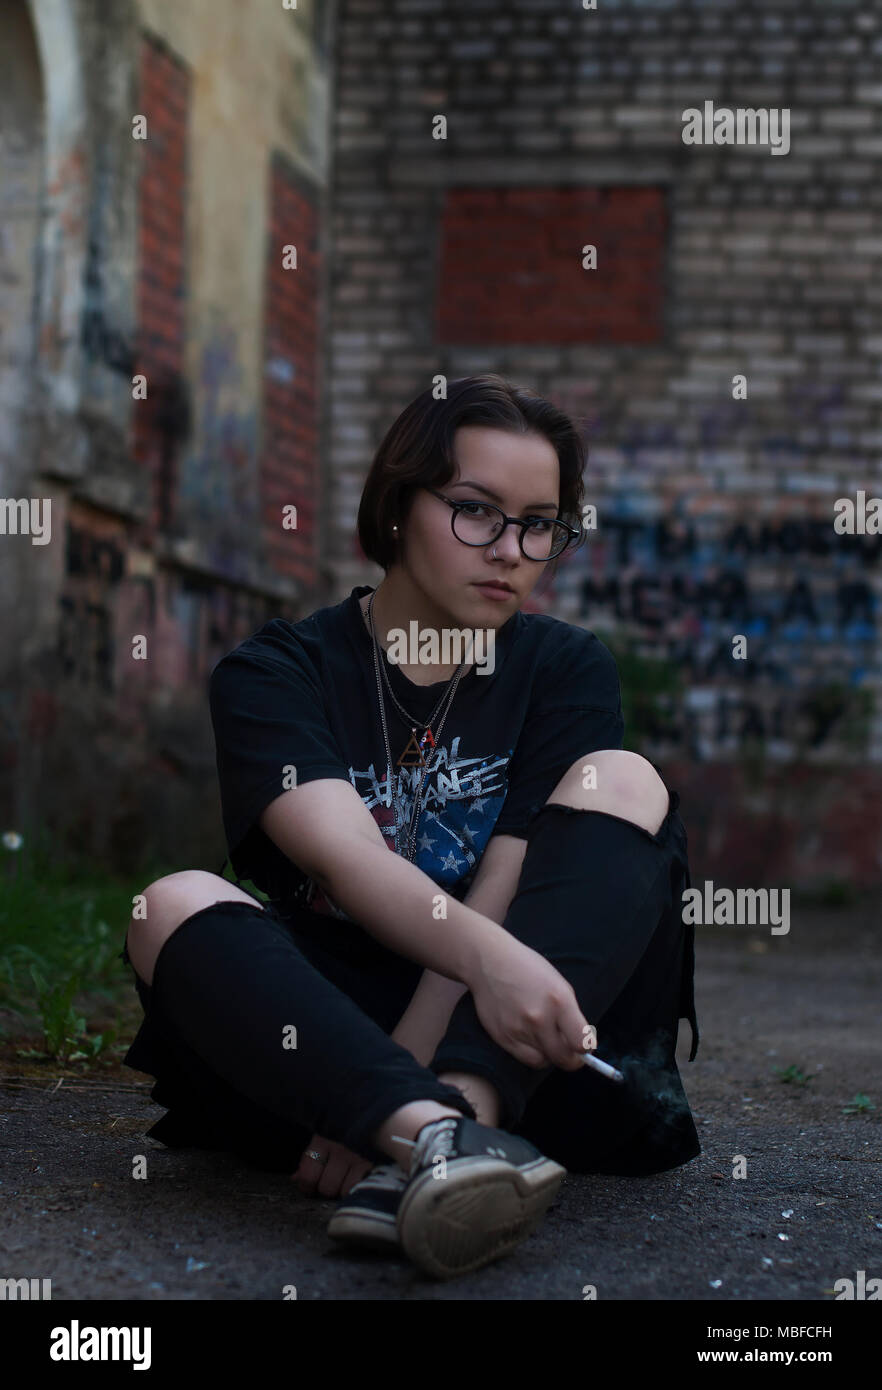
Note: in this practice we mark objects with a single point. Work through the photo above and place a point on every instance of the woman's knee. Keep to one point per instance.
(167, 903)
(617, 781)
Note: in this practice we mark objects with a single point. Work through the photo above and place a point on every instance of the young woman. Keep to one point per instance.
(407, 1029)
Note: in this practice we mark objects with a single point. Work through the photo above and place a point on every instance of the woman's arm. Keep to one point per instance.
(325, 828)
(424, 1021)
(526, 1005)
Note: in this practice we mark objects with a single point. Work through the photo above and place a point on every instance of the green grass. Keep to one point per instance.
(794, 1075)
(859, 1104)
(62, 928)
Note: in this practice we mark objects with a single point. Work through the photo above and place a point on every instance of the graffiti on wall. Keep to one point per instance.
(803, 597)
(218, 492)
(658, 573)
(683, 574)
(109, 597)
(94, 567)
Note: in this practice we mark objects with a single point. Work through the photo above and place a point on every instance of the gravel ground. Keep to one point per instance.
(206, 1226)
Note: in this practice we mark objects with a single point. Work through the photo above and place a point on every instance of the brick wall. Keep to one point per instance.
(289, 462)
(157, 421)
(715, 514)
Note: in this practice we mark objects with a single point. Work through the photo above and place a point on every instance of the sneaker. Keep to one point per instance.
(366, 1215)
(472, 1194)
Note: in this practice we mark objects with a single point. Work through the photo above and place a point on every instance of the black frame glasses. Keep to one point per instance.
(524, 523)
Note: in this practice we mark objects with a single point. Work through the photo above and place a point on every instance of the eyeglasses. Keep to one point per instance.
(480, 523)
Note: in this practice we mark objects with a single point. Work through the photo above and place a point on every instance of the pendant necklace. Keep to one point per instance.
(427, 741)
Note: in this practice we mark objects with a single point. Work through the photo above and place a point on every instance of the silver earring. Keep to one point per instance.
(394, 528)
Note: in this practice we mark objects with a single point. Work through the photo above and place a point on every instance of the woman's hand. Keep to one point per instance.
(334, 1178)
(529, 1008)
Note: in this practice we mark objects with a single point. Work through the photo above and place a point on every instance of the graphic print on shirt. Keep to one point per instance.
(460, 804)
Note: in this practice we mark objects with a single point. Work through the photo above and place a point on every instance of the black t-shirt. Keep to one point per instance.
(304, 695)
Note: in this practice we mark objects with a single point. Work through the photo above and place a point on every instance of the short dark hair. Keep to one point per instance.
(417, 452)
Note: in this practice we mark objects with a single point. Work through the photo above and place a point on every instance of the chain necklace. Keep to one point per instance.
(429, 738)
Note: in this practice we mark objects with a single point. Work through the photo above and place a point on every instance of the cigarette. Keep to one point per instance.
(603, 1067)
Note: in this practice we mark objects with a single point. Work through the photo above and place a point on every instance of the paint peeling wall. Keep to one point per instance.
(162, 511)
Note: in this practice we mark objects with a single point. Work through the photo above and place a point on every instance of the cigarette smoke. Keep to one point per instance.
(652, 1082)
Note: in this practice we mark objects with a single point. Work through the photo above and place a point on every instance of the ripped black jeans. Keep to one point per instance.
(599, 897)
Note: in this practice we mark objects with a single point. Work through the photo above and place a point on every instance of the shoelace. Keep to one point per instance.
(384, 1175)
(440, 1142)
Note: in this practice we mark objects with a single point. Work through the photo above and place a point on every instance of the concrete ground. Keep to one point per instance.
(808, 1212)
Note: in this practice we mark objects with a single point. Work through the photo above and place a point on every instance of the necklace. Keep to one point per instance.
(428, 739)
(412, 723)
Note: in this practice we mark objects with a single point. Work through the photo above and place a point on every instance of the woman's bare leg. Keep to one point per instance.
(169, 902)
(409, 1119)
(482, 1093)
